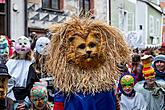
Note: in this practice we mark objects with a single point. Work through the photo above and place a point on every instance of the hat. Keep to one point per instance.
(146, 57)
(4, 70)
(148, 70)
(159, 58)
(146, 60)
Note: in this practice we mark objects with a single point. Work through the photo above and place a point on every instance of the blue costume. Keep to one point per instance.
(99, 101)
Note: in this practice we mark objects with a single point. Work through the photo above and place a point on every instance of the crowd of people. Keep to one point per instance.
(144, 88)
(23, 75)
(25, 83)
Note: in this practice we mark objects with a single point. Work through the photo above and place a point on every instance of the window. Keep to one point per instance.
(86, 7)
(157, 27)
(52, 4)
(151, 40)
(151, 26)
(131, 21)
(2, 7)
(2, 17)
(123, 20)
(2, 24)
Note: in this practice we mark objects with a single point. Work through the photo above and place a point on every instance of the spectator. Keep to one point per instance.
(137, 67)
(159, 66)
(5, 103)
(153, 91)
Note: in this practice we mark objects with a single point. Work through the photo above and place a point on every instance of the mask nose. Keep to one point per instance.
(89, 52)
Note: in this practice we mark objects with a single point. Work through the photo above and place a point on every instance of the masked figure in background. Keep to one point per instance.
(130, 100)
(19, 69)
(5, 103)
(39, 97)
(82, 59)
(4, 49)
(41, 50)
(153, 90)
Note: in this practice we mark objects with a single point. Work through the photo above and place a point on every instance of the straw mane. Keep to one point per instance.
(70, 77)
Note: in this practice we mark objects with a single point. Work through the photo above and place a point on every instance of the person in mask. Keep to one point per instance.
(38, 67)
(19, 70)
(39, 97)
(4, 49)
(130, 100)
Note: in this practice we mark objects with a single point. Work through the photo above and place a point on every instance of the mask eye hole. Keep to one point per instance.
(20, 43)
(92, 45)
(81, 46)
(25, 43)
(40, 45)
(123, 85)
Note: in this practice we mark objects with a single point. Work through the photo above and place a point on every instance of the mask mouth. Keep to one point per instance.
(40, 105)
(128, 91)
(22, 49)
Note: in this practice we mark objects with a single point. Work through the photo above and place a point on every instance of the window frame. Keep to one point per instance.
(151, 25)
(6, 15)
(60, 5)
(91, 7)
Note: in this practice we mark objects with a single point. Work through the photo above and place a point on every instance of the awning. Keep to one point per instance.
(2, 1)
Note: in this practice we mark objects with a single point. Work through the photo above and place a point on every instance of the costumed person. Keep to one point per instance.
(82, 60)
(39, 97)
(137, 67)
(5, 102)
(4, 49)
(130, 100)
(19, 70)
(152, 90)
(39, 72)
(159, 66)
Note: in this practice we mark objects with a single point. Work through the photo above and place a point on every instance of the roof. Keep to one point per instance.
(154, 5)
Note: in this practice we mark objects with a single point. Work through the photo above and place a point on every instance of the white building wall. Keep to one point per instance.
(17, 18)
(142, 18)
(100, 10)
(72, 7)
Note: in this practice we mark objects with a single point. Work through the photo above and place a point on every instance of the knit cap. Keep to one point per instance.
(159, 58)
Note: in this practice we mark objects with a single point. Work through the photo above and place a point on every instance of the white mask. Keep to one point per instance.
(42, 45)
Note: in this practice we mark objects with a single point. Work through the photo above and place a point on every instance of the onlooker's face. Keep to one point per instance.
(150, 82)
(160, 65)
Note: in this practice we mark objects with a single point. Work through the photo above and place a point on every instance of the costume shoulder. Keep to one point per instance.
(161, 82)
(139, 86)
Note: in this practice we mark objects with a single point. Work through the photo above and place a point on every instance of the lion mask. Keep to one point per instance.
(83, 55)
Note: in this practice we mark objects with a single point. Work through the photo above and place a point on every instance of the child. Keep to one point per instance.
(130, 100)
(39, 97)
